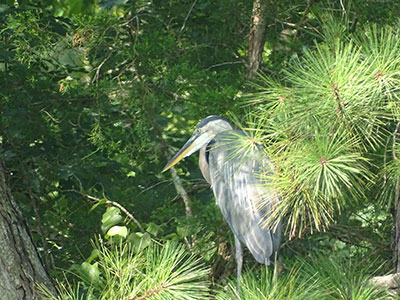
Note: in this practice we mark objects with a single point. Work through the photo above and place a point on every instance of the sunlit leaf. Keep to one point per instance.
(121, 231)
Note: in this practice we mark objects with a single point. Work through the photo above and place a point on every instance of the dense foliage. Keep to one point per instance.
(331, 125)
(96, 95)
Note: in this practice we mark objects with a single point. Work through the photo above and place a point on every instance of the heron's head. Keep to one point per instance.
(204, 132)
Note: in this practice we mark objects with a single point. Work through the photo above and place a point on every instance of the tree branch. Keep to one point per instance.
(177, 181)
(187, 16)
(390, 281)
(182, 192)
(194, 188)
(303, 19)
(113, 203)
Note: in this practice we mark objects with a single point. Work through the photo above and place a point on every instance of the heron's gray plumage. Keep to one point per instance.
(244, 199)
(236, 172)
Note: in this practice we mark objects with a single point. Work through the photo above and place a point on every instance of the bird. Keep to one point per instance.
(236, 168)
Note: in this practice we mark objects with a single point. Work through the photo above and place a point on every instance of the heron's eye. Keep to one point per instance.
(198, 131)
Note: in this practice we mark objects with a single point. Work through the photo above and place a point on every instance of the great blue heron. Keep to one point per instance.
(234, 172)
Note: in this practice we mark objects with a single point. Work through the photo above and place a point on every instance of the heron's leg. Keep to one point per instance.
(239, 261)
(276, 272)
(278, 267)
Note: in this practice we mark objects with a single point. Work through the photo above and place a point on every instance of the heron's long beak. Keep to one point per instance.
(186, 150)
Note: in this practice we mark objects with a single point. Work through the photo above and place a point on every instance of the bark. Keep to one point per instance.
(20, 266)
(257, 36)
(391, 281)
(396, 254)
(397, 234)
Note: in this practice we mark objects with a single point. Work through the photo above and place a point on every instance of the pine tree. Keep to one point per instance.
(330, 122)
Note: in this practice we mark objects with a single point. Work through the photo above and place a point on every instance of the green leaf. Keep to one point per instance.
(153, 228)
(131, 174)
(93, 255)
(3, 8)
(102, 201)
(69, 57)
(183, 231)
(139, 241)
(90, 272)
(117, 231)
(110, 218)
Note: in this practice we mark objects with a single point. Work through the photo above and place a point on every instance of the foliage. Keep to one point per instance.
(289, 286)
(95, 96)
(317, 278)
(91, 118)
(344, 278)
(123, 272)
(329, 125)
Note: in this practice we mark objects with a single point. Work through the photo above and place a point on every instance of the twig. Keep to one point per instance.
(354, 236)
(341, 4)
(182, 192)
(60, 100)
(303, 19)
(113, 203)
(224, 63)
(195, 188)
(187, 16)
(153, 186)
(50, 116)
(97, 75)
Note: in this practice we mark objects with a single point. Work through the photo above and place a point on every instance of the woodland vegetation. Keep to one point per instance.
(96, 96)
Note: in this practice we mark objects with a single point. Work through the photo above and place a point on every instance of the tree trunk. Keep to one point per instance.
(396, 242)
(396, 213)
(20, 266)
(257, 36)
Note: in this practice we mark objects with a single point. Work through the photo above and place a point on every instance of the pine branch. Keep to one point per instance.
(338, 100)
(150, 292)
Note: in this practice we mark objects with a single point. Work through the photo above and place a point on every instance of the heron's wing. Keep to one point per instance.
(244, 198)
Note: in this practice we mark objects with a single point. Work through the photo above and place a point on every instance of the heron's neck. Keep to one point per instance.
(203, 163)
